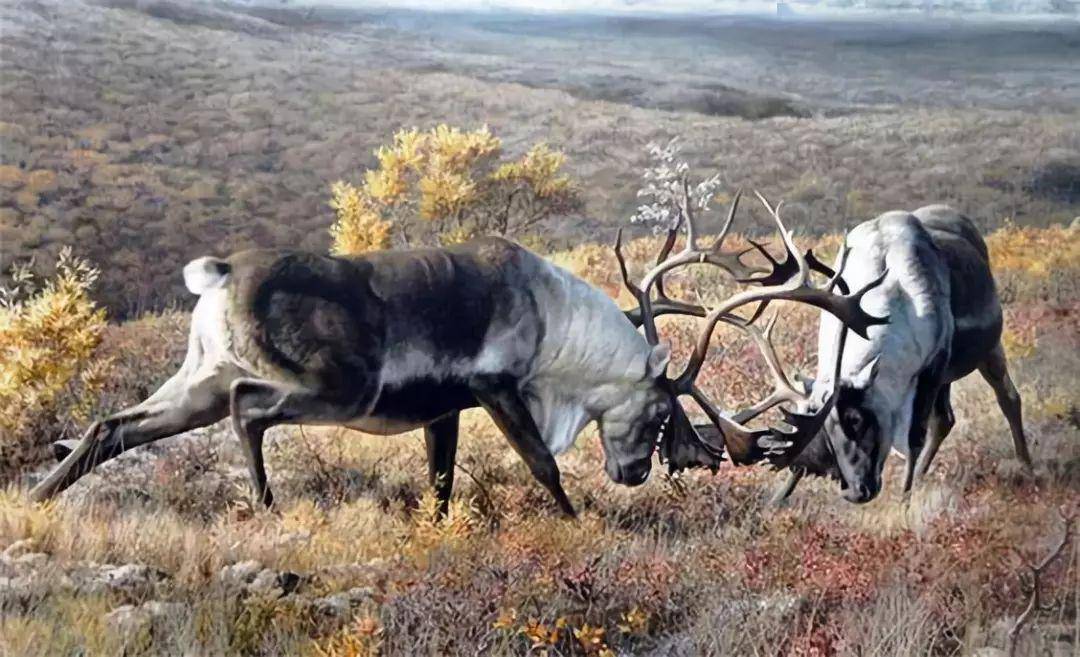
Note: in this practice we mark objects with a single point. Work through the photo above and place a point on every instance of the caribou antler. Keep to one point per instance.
(787, 280)
(729, 261)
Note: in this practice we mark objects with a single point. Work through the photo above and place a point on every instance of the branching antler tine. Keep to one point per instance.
(786, 236)
(685, 381)
(779, 271)
(666, 307)
(669, 242)
(630, 285)
(728, 221)
(766, 333)
(764, 201)
(683, 447)
(665, 251)
(847, 308)
(841, 344)
(783, 390)
(740, 442)
(758, 312)
(643, 314)
(821, 268)
(761, 249)
(835, 279)
(852, 314)
(783, 447)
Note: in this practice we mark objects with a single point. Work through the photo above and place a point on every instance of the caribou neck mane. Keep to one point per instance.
(589, 356)
(915, 296)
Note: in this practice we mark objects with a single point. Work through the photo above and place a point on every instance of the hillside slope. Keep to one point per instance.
(146, 134)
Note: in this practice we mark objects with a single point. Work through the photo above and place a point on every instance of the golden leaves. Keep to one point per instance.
(428, 529)
(634, 621)
(591, 640)
(446, 185)
(360, 226)
(541, 635)
(47, 341)
(507, 620)
(539, 169)
(362, 638)
(445, 193)
(1035, 251)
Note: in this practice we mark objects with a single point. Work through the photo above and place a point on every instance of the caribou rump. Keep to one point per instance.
(894, 387)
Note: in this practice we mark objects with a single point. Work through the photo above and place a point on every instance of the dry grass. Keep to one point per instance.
(694, 565)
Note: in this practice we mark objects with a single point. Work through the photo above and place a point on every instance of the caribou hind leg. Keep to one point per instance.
(941, 423)
(186, 401)
(996, 372)
(255, 405)
(501, 400)
(441, 438)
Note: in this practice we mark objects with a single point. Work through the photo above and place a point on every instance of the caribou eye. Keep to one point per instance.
(853, 419)
(663, 412)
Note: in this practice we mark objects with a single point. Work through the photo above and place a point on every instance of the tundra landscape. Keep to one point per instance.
(136, 136)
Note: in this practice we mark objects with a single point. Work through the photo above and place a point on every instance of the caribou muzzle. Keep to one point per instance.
(631, 474)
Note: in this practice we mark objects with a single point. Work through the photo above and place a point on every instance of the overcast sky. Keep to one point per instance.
(633, 6)
(814, 7)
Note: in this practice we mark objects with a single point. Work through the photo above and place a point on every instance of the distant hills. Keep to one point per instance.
(148, 132)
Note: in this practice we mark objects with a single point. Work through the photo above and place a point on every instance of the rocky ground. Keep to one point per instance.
(148, 133)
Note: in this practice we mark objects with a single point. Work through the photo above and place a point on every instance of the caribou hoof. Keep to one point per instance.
(62, 448)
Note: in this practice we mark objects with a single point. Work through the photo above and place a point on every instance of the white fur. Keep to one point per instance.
(590, 361)
(407, 362)
(211, 336)
(915, 296)
(202, 274)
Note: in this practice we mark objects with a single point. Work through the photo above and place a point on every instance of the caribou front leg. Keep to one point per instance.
(942, 420)
(179, 405)
(927, 387)
(794, 476)
(501, 400)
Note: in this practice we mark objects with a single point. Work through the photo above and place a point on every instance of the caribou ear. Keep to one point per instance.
(659, 358)
(865, 377)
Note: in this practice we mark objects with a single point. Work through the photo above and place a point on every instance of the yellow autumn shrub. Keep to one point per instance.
(1036, 251)
(1032, 264)
(446, 185)
(48, 368)
(359, 227)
